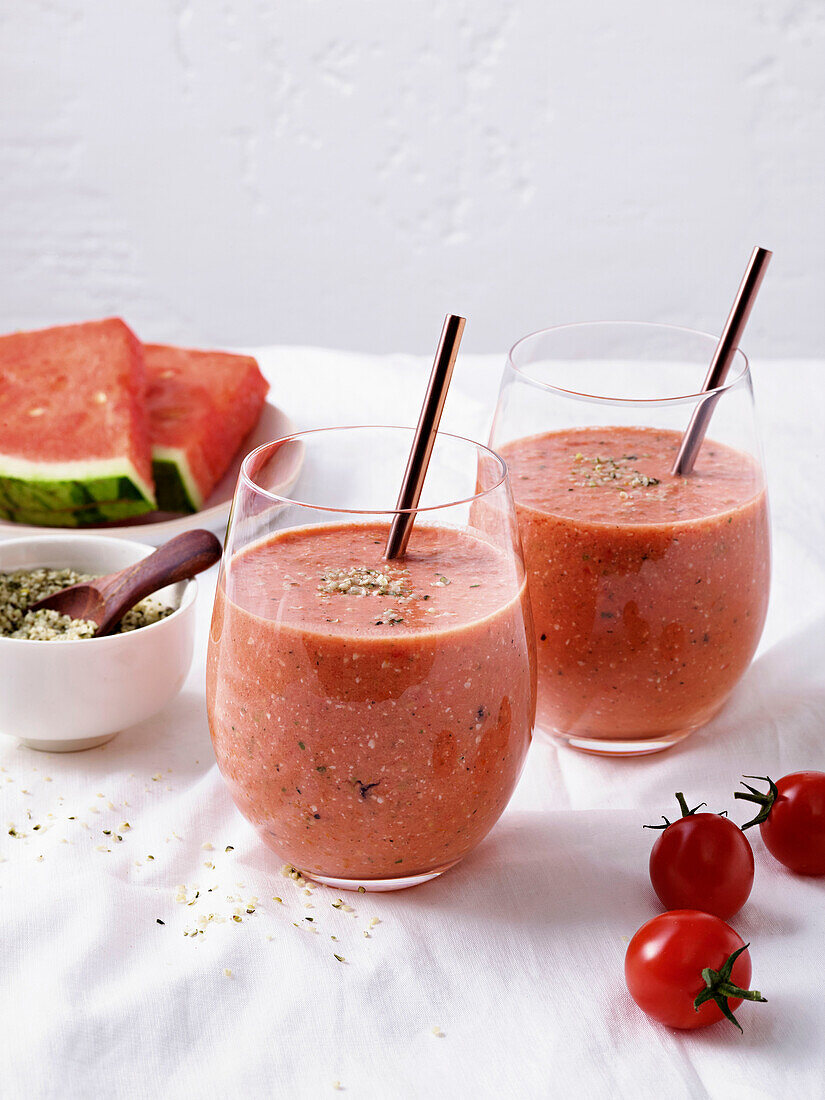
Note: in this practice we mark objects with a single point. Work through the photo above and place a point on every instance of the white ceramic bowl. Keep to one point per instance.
(66, 695)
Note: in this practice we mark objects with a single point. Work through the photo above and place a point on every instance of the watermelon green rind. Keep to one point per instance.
(104, 512)
(44, 496)
(51, 486)
(175, 487)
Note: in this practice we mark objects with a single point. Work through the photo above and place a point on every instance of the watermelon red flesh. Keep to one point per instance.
(73, 422)
(201, 406)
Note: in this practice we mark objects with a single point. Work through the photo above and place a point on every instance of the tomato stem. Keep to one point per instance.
(719, 987)
(683, 806)
(766, 801)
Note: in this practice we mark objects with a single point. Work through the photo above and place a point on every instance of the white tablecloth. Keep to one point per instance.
(501, 979)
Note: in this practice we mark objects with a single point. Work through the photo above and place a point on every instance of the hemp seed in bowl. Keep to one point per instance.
(20, 589)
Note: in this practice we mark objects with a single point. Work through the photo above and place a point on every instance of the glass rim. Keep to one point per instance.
(244, 474)
(734, 378)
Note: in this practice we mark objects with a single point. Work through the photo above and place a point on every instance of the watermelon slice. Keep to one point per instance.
(73, 425)
(201, 405)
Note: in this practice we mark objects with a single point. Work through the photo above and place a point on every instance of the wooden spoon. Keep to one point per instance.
(106, 600)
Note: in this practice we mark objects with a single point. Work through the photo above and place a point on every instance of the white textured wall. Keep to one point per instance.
(343, 173)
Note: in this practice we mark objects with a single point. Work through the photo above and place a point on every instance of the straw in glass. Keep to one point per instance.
(424, 440)
(722, 359)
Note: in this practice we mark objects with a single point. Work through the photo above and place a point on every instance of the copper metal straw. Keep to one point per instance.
(722, 359)
(424, 441)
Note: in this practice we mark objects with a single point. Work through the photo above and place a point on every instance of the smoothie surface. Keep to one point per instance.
(622, 475)
(332, 577)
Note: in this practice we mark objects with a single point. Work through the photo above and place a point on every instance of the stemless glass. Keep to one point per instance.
(649, 592)
(371, 718)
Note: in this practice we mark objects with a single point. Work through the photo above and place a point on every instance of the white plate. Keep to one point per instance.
(157, 527)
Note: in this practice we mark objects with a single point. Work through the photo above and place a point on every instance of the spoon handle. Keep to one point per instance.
(177, 560)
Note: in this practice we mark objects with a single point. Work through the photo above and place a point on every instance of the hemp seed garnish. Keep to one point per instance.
(610, 471)
(359, 581)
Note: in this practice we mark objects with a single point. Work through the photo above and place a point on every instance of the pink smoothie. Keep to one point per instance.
(371, 718)
(649, 591)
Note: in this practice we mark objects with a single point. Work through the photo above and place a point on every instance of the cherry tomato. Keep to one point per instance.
(792, 819)
(702, 861)
(688, 969)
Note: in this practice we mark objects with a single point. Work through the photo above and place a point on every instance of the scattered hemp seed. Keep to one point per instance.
(159, 921)
(362, 889)
(340, 958)
(229, 848)
(390, 617)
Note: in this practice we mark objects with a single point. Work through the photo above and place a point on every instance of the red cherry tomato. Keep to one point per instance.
(792, 819)
(688, 969)
(702, 861)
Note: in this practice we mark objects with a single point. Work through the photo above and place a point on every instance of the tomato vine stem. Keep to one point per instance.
(764, 800)
(719, 987)
(683, 806)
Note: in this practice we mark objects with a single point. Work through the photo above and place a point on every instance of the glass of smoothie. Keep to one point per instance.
(649, 591)
(371, 718)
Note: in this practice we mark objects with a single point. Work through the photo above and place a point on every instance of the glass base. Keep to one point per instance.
(622, 747)
(376, 885)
